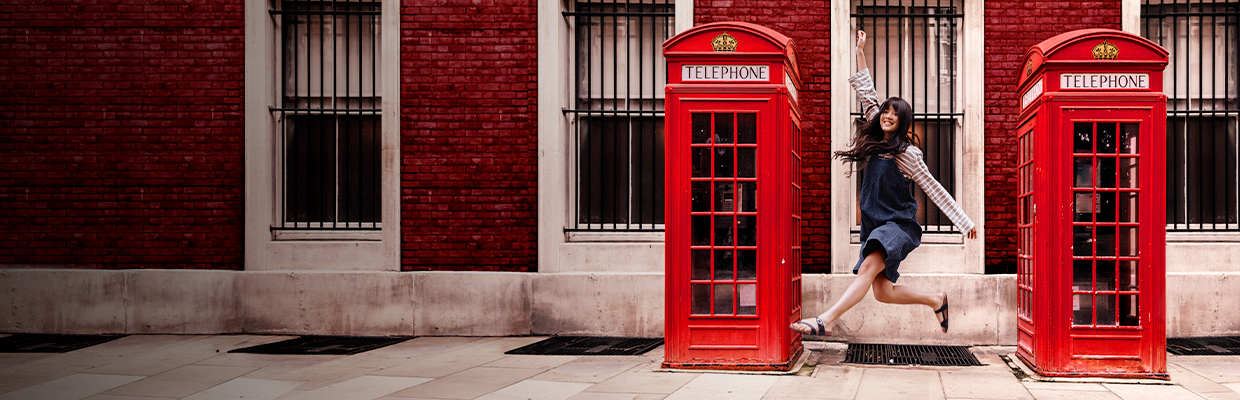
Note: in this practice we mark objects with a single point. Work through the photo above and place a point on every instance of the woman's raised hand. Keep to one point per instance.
(860, 41)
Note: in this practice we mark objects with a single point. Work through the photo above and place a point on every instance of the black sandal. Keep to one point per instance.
(813, 330)
(943, 310)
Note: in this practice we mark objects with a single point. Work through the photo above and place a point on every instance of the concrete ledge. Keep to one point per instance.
(472, 303)
(181, 301)
(983, 310)
(598, 304)
(1203, 304)
(327, 303)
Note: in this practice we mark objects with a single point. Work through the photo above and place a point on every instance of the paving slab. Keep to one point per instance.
(590, 370)
(982, 385)
(608, 396)
(443, 364)
(1221, 395)
(428, 345)
(884, 383)
(30, 374)
(177, 355)
(806, 387)
(246, 388)
(318, 376)
(469, 384)
(725, 387)
(360, 388)
(120, 397)
(537, 390)
(1193, 382)
(181, 382)
(72, 387)
(531, 362)
(639, 380)
(1216, 369)
(1072, 386)
(1046, 394)
(1150, 392)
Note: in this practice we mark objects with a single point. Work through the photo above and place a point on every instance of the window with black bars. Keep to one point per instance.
(1203, 179)
(617, 113)
(329, 115)
(912, 52)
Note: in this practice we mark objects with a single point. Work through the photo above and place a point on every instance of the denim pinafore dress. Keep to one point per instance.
(888, 214)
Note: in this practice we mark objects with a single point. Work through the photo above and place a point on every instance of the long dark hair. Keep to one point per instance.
(869, 139)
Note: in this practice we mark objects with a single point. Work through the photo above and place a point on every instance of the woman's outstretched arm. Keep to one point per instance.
(861, 51)
(863, 84)
(914, 168)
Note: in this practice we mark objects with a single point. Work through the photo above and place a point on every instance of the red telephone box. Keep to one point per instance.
(733, 216)
(1092, 206)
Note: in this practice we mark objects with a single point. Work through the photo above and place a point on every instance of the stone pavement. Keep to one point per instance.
(149, 367)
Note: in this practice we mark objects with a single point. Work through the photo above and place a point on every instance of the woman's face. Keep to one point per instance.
(888, 120)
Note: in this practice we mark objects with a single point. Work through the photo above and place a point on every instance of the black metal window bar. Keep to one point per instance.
(1203, 182)
(329, 115)
(912, 52)
(617, 110)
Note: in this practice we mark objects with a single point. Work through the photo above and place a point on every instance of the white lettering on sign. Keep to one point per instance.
(1104, 81)
(725, 73)
(1033, 93)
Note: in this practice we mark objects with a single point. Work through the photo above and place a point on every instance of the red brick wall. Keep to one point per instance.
(468, 135)
(1011, 27)
(121, 139)
(808, 23)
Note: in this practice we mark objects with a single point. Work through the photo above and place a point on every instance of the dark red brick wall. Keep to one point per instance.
(469, 135)
(1011, 27)
(121, 133)
(808, 23)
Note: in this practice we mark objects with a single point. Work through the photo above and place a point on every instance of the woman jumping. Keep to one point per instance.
(885, 148)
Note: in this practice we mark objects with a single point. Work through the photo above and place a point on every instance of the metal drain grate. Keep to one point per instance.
(589, 346)
(1204, 346)
(40, 343)
(334, 345)
(900, 354)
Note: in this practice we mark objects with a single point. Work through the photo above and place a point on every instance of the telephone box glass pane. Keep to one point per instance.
(1128, 137)
(1106, 241)
(724, 197)
(1084, 172)
(1128, 275)
(699, 302)
(701, 196)
(746, 264)
(1106, 138)
(1084, 137)
(701, 265)
(1128, 241)
(1082, 275)
(1082, 309)
(745, 162)
(701, 230)
(724, 162)
(1106, 207)
(701, 128)
(701, 162)
(1082, 240)
(1106, 310)
(723, 265)
(1127, 207)
(1106, 172)
(1129, 310)
(723, 128)
(1084, 207)
(747, 230)
(747, 128)
(1128, 172)
(747, 198)
(1105, 279)
(747, 303)
(723, 299)
(723, 230)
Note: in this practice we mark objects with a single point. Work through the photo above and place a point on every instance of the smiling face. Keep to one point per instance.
(888, 121)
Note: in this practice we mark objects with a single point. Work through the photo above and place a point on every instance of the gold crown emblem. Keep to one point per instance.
(1105, 51)
(723, 42)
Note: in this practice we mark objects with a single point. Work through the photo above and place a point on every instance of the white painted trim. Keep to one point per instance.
(1130, 15)
(948, 253)
(684, 15)
(613, 237)
(304, 251)
(1203, 237)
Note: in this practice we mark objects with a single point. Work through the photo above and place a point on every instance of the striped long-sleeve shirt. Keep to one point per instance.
(910, 161)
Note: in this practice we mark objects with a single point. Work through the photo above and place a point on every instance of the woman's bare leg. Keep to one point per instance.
(873, 265)
(887, 292)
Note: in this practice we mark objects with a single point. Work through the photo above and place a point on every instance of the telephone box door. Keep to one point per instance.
(1112, 286)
